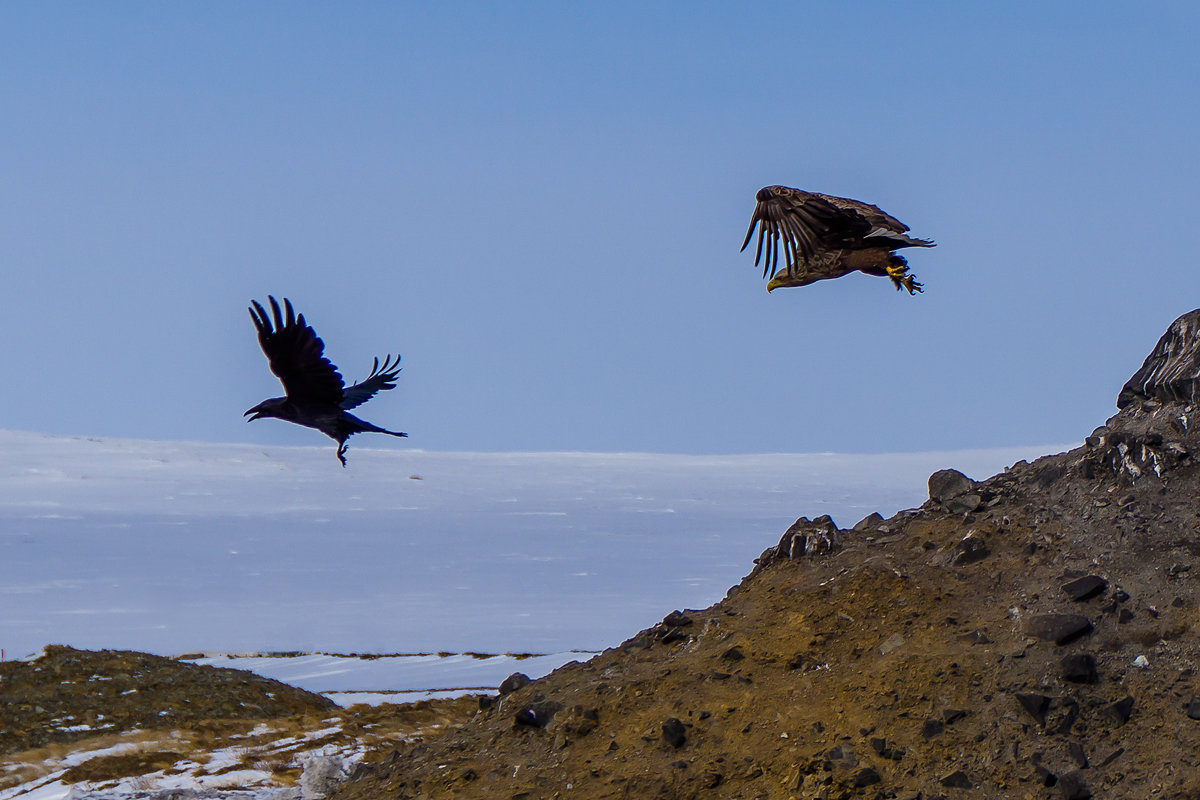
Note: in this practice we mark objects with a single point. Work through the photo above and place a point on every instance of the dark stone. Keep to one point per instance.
(1085, 588)
(733, 654)
(975, 637)
(1123, 616)
(1075, 751)
(963, 504)
(676, 619)
(1035, 704)
(808, 538)
(1120, 711)
(869, 522)
(867, 776)
(1111, 757)
(947, 483)
(1058, 628)
(932, 728)
(672, 635)
(971, 549)
(957, 780)
(953, 715)
(537, 715)
(884, 749)
(518, 680)
(1072, 786)
(1172, 370)
(1062, 715)
(841, 756)
(1193, 708)
(674, 732)
(1079, 668)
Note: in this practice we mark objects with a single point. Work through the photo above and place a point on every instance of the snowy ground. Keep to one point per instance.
(172, 547)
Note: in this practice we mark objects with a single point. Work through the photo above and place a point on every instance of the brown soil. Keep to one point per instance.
(904, 659)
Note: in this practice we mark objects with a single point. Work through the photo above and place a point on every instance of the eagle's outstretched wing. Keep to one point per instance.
(296, 354)
(382, 377)
(808, 223)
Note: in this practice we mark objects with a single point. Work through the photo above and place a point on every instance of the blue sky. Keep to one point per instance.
(539, 205)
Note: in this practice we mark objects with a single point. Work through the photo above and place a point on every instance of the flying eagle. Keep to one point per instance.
(827, 237)
(316, 395)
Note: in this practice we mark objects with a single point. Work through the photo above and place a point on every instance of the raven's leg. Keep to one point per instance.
(341, 453)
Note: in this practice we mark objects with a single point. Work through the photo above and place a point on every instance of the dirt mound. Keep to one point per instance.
(66, 695)
(1032, 635)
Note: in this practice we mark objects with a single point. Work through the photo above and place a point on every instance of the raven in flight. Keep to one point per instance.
(316, 395)
(827, 237)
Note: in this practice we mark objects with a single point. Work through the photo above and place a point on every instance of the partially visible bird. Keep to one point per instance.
(827, 237)
(316, 395)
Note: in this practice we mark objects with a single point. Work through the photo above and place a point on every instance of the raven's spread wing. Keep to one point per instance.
(296, 354)
(808, 223)
(381, 378)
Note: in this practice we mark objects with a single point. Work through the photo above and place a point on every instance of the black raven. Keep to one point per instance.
(316, 395)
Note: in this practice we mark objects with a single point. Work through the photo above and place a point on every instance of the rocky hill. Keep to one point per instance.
(1035, 634)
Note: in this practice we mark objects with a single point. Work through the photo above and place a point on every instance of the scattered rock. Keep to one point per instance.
(947, 483)
(970, 549)
(867, 776)
(677, 619)
(957, 780)
(321, 774)
(868, 523)
(1193, 708)
(1120, 711)
(1085, 588)
(1172, 370)
(1079, 668)
(674, 733)
(537, 714)
(1036, 705)
(1073, 787)
(518, 680)
(1058, 628)
(963, 504)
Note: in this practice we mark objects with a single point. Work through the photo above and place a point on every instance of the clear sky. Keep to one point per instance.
(539, 205)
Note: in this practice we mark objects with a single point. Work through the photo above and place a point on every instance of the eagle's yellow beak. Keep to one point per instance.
(774, 284)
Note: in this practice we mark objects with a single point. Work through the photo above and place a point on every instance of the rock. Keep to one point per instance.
(537, 714)
(891, 643)
(953, 715)
(963, 504)
(1085, 588)
(972, 548)
(1058, 628)
(1079, 668)
(841, 756)
(867, 776)
(733, 654)
(1120, 711)
(932, 728)
(677, 619)
(518, 680)
(957, 780)
(1172, 370)
(809, 538)
(1072, 786)
(1036, 705)
(321, 775)
(884, 749)
(868, 523)
(1075, 751)
(948, 483)
(1193, 708)
(674, 733)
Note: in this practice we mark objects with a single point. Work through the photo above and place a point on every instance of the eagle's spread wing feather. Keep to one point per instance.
(808, 224)
(382, 377)
(296, 354)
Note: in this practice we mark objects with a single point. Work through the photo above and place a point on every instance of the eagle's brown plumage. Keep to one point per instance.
(824, 237)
